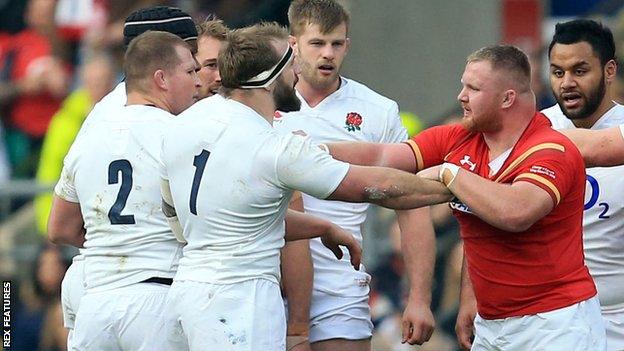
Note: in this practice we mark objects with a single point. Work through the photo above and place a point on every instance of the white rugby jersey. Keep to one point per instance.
(116, 98)
(231, 176)
(603, 219)
(352, 113)
(112, 171)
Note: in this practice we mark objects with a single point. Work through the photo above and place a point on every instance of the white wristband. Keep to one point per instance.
(448, 172)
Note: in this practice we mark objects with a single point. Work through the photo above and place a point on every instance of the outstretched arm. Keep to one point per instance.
(398, 156)
(600, 148)
(389, 188)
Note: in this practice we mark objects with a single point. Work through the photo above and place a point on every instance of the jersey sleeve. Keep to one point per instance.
(431, 146)
(65, 188)
(394, 131)
(302, 165)
(553, 169)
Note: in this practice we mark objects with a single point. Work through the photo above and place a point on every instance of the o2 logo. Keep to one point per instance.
(595, 192)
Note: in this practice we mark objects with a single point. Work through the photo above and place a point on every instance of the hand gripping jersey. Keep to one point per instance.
(352, 113)
(112, 171)
(231, 176)
(542, 268)
(603, 218)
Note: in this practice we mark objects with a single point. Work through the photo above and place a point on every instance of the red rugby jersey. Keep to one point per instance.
(542, 268)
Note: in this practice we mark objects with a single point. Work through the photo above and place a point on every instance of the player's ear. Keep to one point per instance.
(509, 96)
(610, 70)
(292, 41)
(159, 79)
(348, 44)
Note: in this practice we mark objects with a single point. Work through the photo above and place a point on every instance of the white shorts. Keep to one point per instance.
(119, 319)
(338, 317)
(578, 327)
(246, 316)
(72, 290)
(614, 325)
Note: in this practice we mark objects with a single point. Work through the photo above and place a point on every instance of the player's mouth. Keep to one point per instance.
(466, 111)
(571, 100)
(326, 70)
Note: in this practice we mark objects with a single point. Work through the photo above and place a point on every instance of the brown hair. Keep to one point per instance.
(506, 58)
(212, 27)
(249, 51)
(327, 14)
(147, 53)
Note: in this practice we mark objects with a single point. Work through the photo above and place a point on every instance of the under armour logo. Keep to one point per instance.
(466, 161)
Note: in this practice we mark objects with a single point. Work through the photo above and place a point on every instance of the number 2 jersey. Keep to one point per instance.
(603, 218)
(540, 269)
(231, 177)
(112, 171)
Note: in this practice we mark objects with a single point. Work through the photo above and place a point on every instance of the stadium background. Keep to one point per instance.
(410, 50)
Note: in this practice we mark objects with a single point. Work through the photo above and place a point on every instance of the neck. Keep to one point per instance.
(139, 98)
(513, 125)
(313, 95)
(606, 104)
(259, 100)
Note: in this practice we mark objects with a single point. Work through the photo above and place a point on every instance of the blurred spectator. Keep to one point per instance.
(38, 323)
(38, 82)
(411, 122)
(240, 13)
(97, 77)
(12, 16)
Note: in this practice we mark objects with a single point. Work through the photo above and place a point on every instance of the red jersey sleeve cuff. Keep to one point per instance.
(420, 164)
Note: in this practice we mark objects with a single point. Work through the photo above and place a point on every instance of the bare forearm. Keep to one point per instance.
(509, 207)
(419, 252)
(362, 154)
(398, 156)
(466, 294)
(297, 277)
(600, 148)
(304, 226)
(405, 191)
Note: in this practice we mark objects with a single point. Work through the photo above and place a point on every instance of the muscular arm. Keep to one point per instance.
(467, 310)
(600, 148)
(398, 156)
(65, 225)
(419, 252)
(512, 208)
(297, 277)
(389, 188)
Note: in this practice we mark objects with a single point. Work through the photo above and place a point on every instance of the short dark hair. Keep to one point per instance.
(147, 53)
(248, 52)
(327, 14)
(507, 58)
(597, 35)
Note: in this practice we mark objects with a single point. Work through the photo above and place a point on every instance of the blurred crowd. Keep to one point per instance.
(59, 57)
